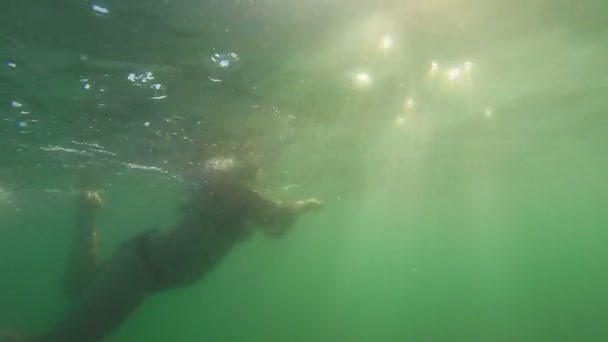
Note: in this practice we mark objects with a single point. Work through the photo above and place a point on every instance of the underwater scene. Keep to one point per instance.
(303, 171)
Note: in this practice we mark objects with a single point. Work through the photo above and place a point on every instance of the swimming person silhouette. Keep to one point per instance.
(223, 210)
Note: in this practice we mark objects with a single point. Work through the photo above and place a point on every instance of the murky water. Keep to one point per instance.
(458, 146)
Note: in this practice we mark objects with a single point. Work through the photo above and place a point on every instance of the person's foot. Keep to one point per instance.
(91, 201)
(94, 199)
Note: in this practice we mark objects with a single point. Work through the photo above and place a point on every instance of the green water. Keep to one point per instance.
(459, 148)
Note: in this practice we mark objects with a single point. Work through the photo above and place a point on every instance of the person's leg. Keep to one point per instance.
(82, 263)
(82, 260)
(114, 293)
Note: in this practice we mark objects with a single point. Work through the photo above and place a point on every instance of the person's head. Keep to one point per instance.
(231, 168)
(220, 172)
(236, 162)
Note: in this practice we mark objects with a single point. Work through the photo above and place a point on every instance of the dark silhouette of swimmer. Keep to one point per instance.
(223, 210)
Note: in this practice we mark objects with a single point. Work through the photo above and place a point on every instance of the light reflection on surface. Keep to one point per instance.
(143, 77)
(100, 10)
(434, 67)
(218, 64)
(362, 80)
(410, 103)
(387, 42)
(226, 61)
(363, 77)
(454, 74)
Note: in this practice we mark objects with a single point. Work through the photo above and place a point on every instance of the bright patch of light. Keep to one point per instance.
(454, 73)
(387, 42)
(410, 103)
(434, 67)
(399, 121)
(363, 77)
(12, 64)
(144, 167)
(227, 61)
(361, 80)
(100, 9)
(16, 104)
(489, 113)
(143, 77)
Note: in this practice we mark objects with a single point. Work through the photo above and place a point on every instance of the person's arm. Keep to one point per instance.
(275, 218)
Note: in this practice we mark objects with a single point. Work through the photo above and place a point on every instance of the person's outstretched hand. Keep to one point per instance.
(312, 204)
